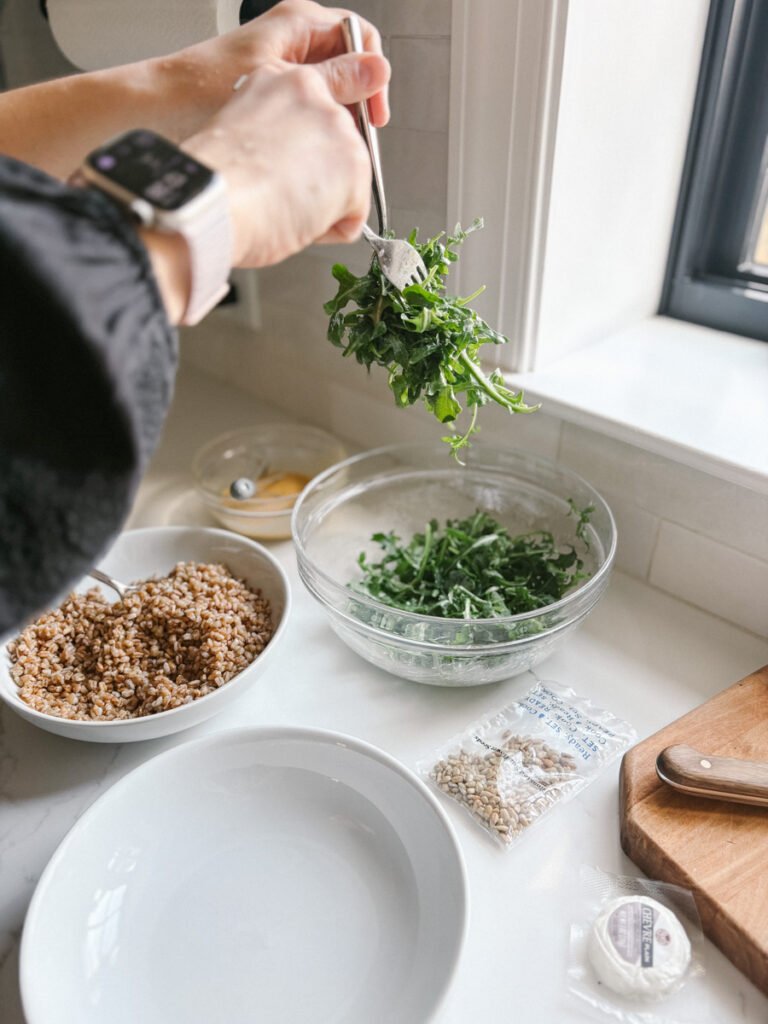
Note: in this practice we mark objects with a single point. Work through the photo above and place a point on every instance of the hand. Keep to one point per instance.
(201, 77)
(54, 124)
(296, 167)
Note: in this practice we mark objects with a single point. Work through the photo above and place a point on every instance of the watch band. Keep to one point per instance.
(209, 240)
(202, 220)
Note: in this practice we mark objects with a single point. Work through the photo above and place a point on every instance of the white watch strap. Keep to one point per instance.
(209, 239)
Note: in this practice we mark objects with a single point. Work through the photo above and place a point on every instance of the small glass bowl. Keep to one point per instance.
(280, 459)
(402, 487)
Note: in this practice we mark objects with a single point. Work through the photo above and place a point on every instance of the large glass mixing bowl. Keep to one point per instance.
(402, 487)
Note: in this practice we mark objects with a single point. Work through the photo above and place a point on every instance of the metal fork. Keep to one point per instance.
(400, 262)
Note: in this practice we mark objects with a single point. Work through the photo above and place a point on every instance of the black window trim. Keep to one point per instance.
(729, 302)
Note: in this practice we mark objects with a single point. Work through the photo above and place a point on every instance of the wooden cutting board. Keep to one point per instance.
(718, 850)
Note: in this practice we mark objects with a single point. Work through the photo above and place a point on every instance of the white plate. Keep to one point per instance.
(261, 876)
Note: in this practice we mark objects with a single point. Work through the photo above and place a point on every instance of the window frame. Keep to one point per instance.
(706, 282)
(688, 393)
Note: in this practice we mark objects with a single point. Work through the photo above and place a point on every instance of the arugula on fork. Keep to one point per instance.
(426, 340)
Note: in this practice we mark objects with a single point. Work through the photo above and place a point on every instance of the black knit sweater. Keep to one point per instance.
(87, 362)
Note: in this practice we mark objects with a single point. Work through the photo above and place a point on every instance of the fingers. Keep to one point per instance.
(304, 32)
(309, 103)
(311, 32)
(352, 77)
(346, 230)
(355, 208)
(378, 108)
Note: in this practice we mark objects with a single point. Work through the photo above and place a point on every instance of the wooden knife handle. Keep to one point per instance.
(718, 778)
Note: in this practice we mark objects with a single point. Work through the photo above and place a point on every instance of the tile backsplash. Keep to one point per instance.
(681, 530)
(690, 534)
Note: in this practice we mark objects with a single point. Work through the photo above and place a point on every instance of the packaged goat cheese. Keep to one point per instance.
(637, 951)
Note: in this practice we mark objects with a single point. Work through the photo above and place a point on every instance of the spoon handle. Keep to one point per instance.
(120, 588)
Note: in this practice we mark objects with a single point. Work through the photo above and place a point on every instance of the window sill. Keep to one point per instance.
(692, 394)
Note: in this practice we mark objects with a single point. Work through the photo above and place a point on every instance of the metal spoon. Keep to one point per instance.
(242, 489)
(121, 589)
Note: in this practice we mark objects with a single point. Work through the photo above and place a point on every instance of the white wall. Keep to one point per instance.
(607, 228)
(679, 529)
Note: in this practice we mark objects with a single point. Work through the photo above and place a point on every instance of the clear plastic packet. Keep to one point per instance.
(512, 767)
(637, 951)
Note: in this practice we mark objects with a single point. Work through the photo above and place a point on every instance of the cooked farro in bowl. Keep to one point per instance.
(200, 628)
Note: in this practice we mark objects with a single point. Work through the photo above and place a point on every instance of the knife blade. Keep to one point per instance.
(716, 778)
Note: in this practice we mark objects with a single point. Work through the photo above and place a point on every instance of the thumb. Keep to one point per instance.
(352, 77)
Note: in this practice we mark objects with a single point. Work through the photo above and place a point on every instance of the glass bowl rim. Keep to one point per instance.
(418, 617)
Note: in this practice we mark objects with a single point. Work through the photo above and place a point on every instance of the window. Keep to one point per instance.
(718, 267)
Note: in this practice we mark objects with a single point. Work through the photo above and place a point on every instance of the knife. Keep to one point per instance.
(717, 778)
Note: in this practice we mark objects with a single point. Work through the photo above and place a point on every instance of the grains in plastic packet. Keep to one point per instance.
(513, 766)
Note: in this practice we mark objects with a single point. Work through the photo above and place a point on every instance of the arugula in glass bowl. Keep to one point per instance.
(473, 568)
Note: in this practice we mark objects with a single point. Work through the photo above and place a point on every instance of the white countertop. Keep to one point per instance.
(641, 654)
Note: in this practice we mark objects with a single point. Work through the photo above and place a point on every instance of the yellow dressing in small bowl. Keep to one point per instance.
(281, 484)
(280, 459)
(276, 492)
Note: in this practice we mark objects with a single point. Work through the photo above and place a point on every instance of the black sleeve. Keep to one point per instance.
(87, 362)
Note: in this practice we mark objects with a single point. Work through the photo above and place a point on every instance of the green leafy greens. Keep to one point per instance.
(472, 569)
(427, 341)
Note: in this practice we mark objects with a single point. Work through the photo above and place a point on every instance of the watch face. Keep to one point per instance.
(148, 166)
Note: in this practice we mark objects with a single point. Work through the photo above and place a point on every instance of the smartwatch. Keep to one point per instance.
(167, 189)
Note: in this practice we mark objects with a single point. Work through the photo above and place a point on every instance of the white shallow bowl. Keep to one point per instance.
(137, 555)
(281, 875)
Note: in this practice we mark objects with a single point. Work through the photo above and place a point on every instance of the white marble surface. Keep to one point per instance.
(642, 654)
